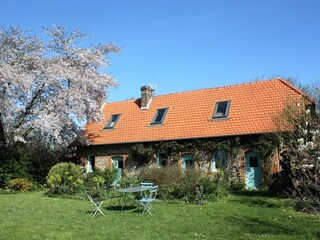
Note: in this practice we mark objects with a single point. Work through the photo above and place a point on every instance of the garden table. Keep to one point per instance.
(124, 193)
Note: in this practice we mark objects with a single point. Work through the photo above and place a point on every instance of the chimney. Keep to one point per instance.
(146, 96)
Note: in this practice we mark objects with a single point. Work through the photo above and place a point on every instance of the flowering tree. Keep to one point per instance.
(46, 86)
(302, 152)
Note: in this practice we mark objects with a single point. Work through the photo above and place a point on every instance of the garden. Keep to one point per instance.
(245, 215)
(188, 206)
(42, 187)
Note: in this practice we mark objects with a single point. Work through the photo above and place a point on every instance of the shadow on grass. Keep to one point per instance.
(254, 193)
(257, 226)
(120, 208)
(257, 199)
(257, 203)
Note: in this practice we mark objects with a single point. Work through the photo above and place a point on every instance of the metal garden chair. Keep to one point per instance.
(146, 202)
(97, 202)
(145, 184)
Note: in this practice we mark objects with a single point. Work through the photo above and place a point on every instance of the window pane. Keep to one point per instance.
(221, 109)
(189, 163)
(159, 117)
(120, 164)
(162, 160)
(112, 121)
(253, 162)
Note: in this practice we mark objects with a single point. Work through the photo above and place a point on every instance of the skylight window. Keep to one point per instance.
(221, 110)
(159, 116)
(112, 121)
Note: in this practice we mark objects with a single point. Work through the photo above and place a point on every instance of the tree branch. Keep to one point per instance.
(2, 133)
(29, 106)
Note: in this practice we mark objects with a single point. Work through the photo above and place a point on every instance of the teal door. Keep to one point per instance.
(253, 171)
(117, 162)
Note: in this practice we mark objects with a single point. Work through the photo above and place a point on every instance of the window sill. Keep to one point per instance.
(156, 124)
(218, 119)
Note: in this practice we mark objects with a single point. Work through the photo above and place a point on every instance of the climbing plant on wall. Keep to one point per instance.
(140, 155)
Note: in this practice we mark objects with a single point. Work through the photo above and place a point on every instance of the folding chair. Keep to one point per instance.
(145, 184)
(97, 202)
(147, 201)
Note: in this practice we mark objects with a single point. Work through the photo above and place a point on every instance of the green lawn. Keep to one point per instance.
(37, 216)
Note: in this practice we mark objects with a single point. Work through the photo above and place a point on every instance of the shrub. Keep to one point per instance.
(174, 183)
(94, 183)
(19, 184)
(129, 181)
(168, 178)
(214, 186)
(110, 175)
(64, 178)
(187, 186)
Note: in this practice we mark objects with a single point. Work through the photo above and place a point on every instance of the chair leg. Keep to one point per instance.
(97, 209)
(147, 208)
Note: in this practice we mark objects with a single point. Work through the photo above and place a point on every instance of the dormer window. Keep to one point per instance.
(221, 110)
(112, 121)
(159, 116)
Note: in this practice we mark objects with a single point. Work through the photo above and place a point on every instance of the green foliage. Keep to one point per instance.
(129, 181)
(189, 185)
(95, 184)
(234, 184)
(96, 181)
(170, 151)
(32, 160)
(214, 186)
(140, 154)
(110, 175)
(185, 189)
(19, 184)
(64, 178)
(265, 144)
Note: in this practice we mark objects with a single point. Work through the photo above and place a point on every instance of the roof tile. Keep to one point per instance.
(190, 114)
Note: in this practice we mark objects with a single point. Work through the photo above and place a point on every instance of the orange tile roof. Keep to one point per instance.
(251, 111)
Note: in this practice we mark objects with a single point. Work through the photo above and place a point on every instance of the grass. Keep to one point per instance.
(241, 216)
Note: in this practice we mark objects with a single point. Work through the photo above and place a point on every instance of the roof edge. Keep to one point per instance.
(178, 139)
(285, 82)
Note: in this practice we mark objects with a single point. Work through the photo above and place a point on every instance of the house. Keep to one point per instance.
(244, 111)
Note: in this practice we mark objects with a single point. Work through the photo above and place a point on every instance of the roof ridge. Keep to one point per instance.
(227, 86)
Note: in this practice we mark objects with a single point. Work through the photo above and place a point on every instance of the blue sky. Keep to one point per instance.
(182, 45)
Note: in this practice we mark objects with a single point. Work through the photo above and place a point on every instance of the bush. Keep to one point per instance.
(214, 186)
(96, 181)
(110, 175)
(64, 178)
(129, 181)
(94, 184)
(19, 184)
(187, 186)
(168, 178)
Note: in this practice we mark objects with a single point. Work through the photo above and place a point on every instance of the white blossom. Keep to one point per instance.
(47, 87)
